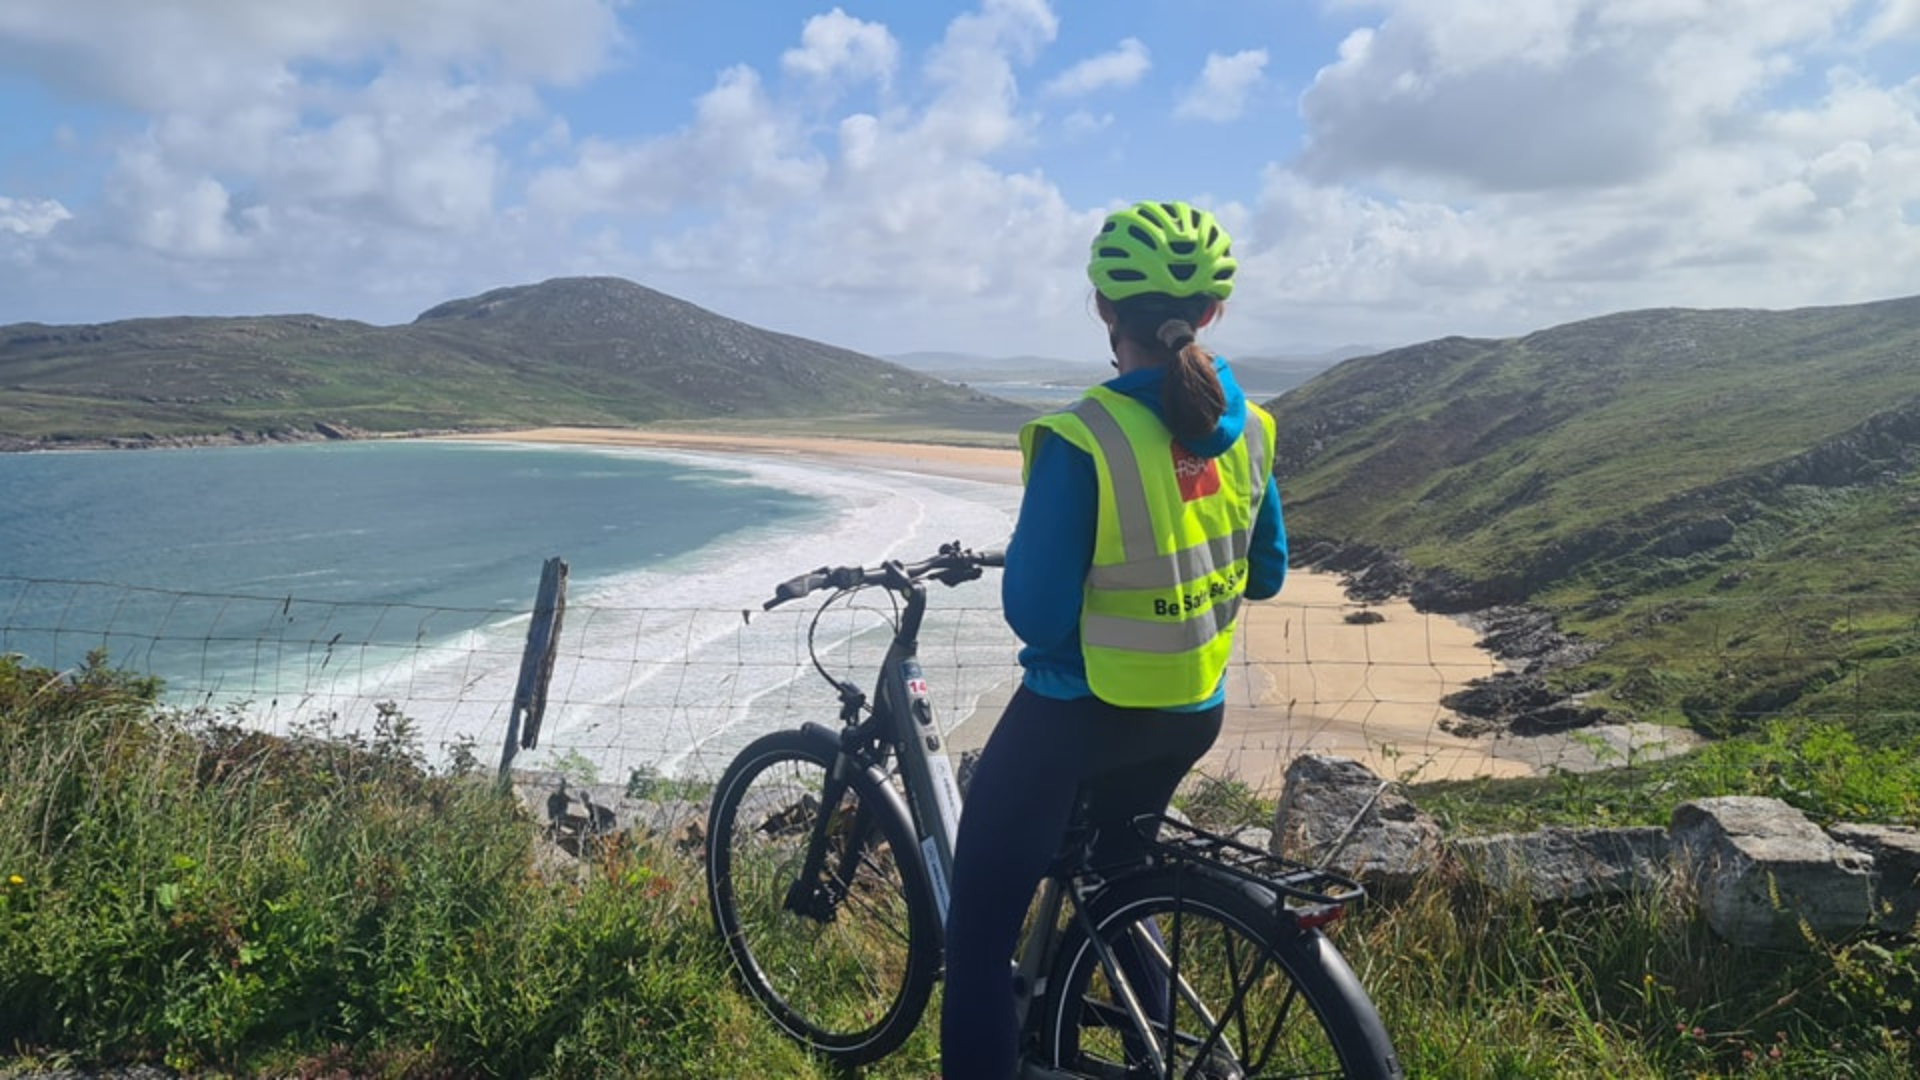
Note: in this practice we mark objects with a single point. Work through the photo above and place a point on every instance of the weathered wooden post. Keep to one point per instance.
(536, 666)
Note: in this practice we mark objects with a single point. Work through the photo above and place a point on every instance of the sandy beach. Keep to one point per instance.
(1314, 671)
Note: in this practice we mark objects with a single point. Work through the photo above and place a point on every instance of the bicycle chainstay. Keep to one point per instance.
(1307, 893)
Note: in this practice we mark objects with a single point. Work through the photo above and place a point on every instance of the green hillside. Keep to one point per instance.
(576, 351)
(1727, 501)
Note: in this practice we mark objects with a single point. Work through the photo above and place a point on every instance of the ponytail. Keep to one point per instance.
(1191, 396)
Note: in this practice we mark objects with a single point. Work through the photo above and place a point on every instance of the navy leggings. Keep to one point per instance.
(1019, 804)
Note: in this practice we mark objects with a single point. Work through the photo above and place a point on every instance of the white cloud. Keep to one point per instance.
(1126, 65)
(32, 218)
(910, 225)
(1225, 84)
(1549, 95)
(1081, 123)
(1894, 19)
(836, 45)
(907, 203)
(1469, 166)
(738, 148)
(167, 57)
(338, 147)
(1809, 205)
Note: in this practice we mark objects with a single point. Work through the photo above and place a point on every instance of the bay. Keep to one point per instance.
(456, 527)
(322, 580)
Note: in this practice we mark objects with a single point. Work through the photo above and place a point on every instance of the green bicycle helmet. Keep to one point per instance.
(1162, 247)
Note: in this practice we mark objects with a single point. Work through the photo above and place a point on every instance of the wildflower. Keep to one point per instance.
(16, 880)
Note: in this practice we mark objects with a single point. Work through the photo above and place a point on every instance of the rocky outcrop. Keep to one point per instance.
(321, 430)
(1763, 875)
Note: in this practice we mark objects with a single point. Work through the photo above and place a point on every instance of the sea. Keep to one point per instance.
(324, 586)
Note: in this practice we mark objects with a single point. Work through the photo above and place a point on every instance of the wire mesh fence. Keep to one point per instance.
(676, 691)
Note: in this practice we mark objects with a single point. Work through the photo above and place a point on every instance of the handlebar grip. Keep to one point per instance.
(993, 557)
(795, 588)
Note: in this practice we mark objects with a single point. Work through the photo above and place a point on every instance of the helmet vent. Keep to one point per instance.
(1167, 249)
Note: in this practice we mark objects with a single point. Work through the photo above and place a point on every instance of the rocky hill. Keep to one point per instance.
(1721, 504)
(587, 351)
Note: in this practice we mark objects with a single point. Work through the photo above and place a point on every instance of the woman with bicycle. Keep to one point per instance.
(1150, 511)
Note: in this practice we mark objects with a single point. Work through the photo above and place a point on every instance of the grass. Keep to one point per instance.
(1824, 769)
(176, 889)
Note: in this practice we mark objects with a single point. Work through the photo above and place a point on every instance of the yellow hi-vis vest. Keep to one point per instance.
(1170, 549)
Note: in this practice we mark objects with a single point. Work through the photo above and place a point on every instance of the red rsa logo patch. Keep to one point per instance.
(1198, 476)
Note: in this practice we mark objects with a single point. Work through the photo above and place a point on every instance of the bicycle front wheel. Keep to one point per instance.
(1219, 986)
(844, 959)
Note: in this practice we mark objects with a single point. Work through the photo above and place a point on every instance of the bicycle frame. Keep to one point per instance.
(904, 724)
(904, 708)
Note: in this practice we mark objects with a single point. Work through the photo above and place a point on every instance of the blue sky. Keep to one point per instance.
(925, 175)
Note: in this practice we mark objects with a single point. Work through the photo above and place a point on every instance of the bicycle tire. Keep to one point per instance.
(851, 980)
(1307, 1014)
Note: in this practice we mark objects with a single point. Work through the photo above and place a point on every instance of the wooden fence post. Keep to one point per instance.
(536, 666)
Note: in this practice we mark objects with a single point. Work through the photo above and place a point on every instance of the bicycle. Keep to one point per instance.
(827, 857)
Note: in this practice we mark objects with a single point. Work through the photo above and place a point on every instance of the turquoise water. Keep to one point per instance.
(463, 528)
(318, 580)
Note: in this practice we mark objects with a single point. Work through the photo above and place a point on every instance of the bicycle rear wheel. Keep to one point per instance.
(843, 962)
(1228, 989)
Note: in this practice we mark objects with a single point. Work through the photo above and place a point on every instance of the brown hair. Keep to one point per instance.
(1190, 394)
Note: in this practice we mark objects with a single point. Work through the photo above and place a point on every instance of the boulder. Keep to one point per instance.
(1895, 851)
(1767, 876)
(1559, 864)
(1335, 812)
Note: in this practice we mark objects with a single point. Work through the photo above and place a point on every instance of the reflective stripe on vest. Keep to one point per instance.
(1157, 625)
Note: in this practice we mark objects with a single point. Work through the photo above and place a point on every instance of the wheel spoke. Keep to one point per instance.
(1226, 1001)
(845, 963)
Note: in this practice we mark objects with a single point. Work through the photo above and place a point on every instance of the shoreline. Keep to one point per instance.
(983, 463)
(1305, 678)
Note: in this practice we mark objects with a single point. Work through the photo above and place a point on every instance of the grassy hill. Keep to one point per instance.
(584, 351)
(1727, 501)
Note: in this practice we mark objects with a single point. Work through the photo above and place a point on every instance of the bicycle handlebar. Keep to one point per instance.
(952, 566)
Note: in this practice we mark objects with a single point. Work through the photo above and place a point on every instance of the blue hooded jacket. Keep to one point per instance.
(1052, 545)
